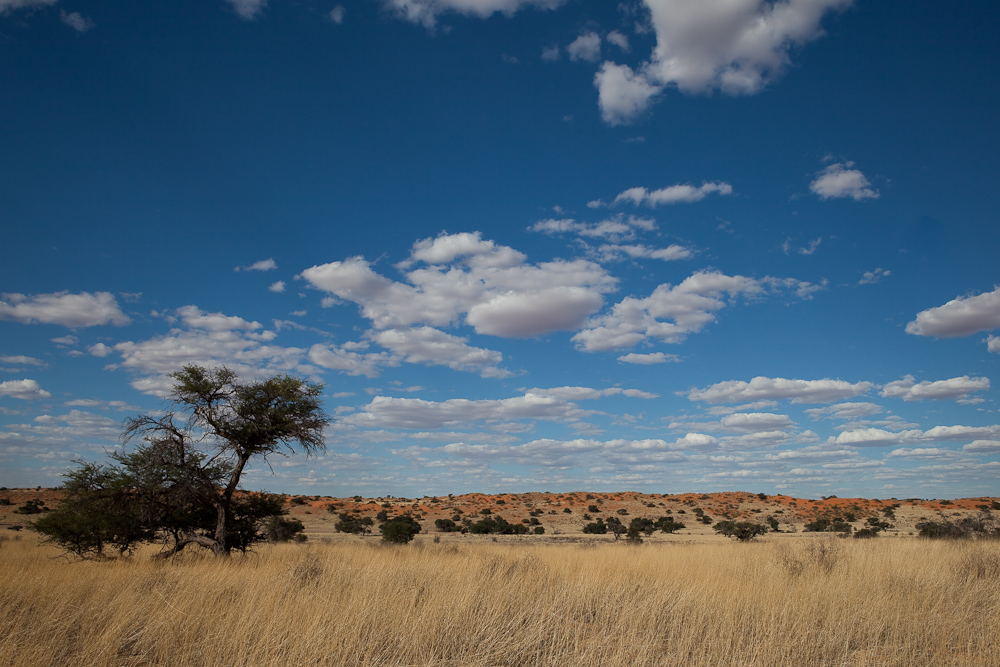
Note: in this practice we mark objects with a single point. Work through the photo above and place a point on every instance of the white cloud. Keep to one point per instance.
(872, 277)
(211, 340)
(461, 277)
(839, 180)
(845, 411)
(809, 249)
(391, 412)
(248, 9)
(70, 310)
(11, 5)
(23, 389)
(585, 393)
(616, 228)
(426, 12)
(337, 14)
(427, 345)
(585, 47)
(349, 361)
(954, 389)
(756, 421)
(799, 391)
(982, 447)
(64, 341)
(674, 194)
(100, 350)
(22, 360)
(263, 265)
(669, 254)
(962, 316)
(876, 437)
(623, 94)
(278, 286)
(647, 359)
(618, 39)
(993, 344)
(735, 46)
(670, 313)
(551, 53)
(76, 21)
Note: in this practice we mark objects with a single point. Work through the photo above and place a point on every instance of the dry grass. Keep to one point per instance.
(804, 602)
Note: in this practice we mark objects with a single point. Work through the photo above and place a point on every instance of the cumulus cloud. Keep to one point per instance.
(962, 316)
(857, 410)
(263, 265)
(872, 277)
(70, 310)
(839, 180)
(248, 9)
(278, 286)
(100, 350)
(672, 312)
(674, 194)
(337, 14)
(211, 340)
(584, 393)
(954, 389)
(756, 422)
(623, 94)
(349, 360)
(616, 228)
(462, 278)
(993, 344)
(982, 447)
(76, 21)
(647, 359)
(25, 390)
(10, 5)
(585, 47)
(671, 253)
(734, 47)
(798, 391)
(391, 412)
(426, 12)
(22, 360)
(618, 39)
(876, 437)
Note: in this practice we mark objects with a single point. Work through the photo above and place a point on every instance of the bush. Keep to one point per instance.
(280, 529)
(399, 530)
(32, 507)
(446, 525)
(593, 508)
(668, 525)
(351, 523)
(497, 526)
(744, 531)
(596, 528)
(539, 530)
(981, 525)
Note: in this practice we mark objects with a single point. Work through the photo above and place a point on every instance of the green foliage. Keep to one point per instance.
(100, 509)
(539, 530)
(744, 531)
(642, 525)
(668, 525)
(446, 525)
(354, 524)
(983, 525)
(280, 529)
(32, 507)
(616, 527)
(593, 508)
(400, 529)
(596, 528)
(497, 526)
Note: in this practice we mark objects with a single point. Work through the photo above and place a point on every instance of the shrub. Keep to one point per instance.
(399, 530)
(497, 526)
(668, 525)
(567, 511)
(351, 523)
(32, 507)
(280, 529)
(446, 525)
(596, 528)
(593, 508)
(744, 531)
(539, 530)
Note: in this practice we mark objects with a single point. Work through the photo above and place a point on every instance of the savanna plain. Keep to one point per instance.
(692, 597)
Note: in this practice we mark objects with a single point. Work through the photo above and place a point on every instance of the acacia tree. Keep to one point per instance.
(223, 423)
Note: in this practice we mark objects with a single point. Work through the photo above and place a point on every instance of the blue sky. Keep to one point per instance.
(525, 244)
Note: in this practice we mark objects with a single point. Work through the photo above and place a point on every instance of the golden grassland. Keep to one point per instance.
(808, 601)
